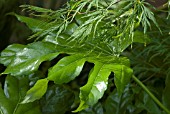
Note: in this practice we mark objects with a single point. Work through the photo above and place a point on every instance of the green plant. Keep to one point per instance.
(84, 32)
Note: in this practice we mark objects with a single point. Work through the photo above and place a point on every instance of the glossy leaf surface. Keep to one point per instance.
(26, 59)
(95, 87)
(66, 69)
(13, 93)
(37, 91)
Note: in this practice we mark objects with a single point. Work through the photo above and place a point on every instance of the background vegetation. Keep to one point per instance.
(24, 65)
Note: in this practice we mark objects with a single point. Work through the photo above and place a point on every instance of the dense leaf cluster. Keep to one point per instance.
(87, 31)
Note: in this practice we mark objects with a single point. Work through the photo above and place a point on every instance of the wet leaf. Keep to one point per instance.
(26, 59)
(95, 87)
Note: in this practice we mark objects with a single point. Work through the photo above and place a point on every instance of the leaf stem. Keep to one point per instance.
(151, 95)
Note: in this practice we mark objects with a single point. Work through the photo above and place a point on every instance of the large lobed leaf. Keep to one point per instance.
(69, 67)
(98, 80)
(26, 59)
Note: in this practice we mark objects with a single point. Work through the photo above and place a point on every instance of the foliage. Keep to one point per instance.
(13, 93)
(94, 32)
(151, 63)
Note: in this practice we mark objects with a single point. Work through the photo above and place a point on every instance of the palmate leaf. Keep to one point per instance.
(97, 83)
(77, 40)
(69, 67)
(13, 93)
(22, 59)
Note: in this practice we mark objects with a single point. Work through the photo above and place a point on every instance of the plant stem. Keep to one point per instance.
(151, 95)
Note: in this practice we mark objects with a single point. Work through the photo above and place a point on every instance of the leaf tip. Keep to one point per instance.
(81, 107)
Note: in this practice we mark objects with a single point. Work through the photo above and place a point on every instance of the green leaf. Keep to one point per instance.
(95, 87)
(10, 98)
(140, 37)
(34, 24)
(122, 76)
(35, 8)
(57, 100)
(26, 59)
(66, 69)
(37, 91)
(9, 54)
(166, 93)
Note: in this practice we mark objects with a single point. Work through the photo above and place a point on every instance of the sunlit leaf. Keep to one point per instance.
(37, 91)
(26, 59)
(95, 87)
(66, 69)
